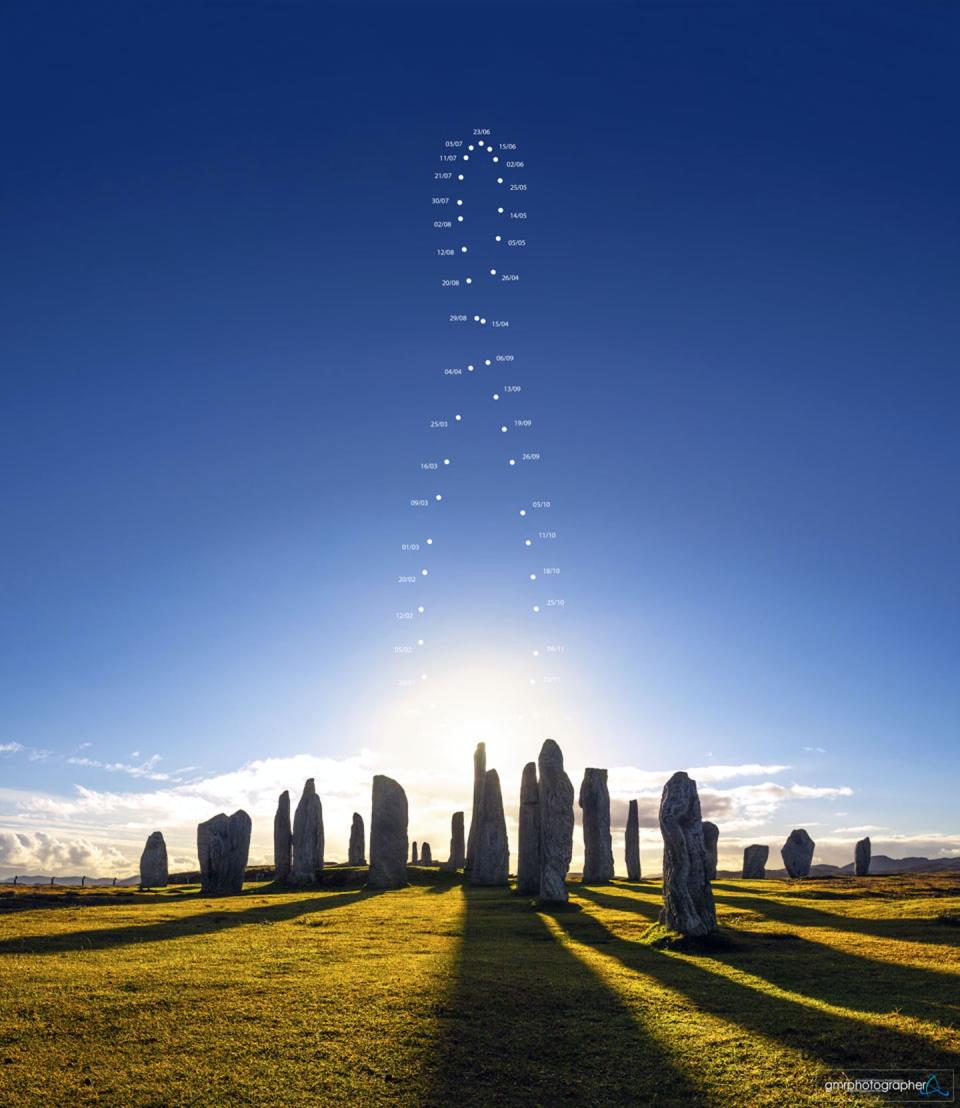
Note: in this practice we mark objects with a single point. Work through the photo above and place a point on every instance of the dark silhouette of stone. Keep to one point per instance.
(426, 855)
(388, 835)
(153, 863)
(457, 850)
(556, 824)
(357, 851)
(491, 854)
(223, 845)
(755, 861)
(711, 833)
(861, 858)
(479, 775)
(308, 836)
(597, 844)
(528, 843)
(797, 853)
(687, 897)
(413, 855)
(632, 842)
(282, 839)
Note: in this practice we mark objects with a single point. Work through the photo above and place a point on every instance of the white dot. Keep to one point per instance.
(459, 218)
(523, 511)
(486, 361)
(469, 147)
(476, 319)
(459, 203)
(493, 273)
(536, 607)
(503, 429)
(446, 461)
(482, 319)
(463, 250)
(458, 418)
(424, 572)
(533, 576)
(429, 542)
(489, 149)
(459, 176)
(438, 497)
(500, 210)
(495, 158)
(421, 609)
(536, 653)
(469, 280)
(513, 461)
(420, 643)
(470, 369)
(496, 396)
(466, 157)
(528, 542)
(497, 237)
(499, 182)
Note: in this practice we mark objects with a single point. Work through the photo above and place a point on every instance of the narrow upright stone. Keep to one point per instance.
(426, 855)
(797, 853)
(861, 859)
(388, 835)
(357, 852)
(457, 852)
(755, 861)
(528, 845)
(413, 854)
(491, 854)
(223, 846)
(479, 774)
(308, 836)
(632, 842)
(282, 838)
(153, 863)
(711, 833)
(597, 842)
(687, 897)
(556, 824)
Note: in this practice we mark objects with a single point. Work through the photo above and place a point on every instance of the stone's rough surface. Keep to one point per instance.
(153, 862)
(556, 824)
(414, 858)
(426, 855)
(597, 843)
(797, 853)
(479, 774)
(282, 838)
(357, 851)
(457, 852)
(388, 835)
(861, 858)
(223, 844)
(755, 860)
(711, 833)
(308, 835)
(632, 842)
(528, 845)
(687, 897)
(491, 854)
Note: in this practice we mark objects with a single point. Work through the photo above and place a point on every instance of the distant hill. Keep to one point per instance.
(881, 865)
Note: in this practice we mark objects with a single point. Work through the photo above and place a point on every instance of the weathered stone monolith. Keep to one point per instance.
(414, 858)
(632, 842)
(528, 842)
(597, 843)
(711, 833)
(457, 853)
(861, 858)
(426, 855)
(797, 853)
(388, 835)
(223, 845)
(282, 838)
(491, 854)
(308, 836)
(153, 863)
(687, 897)
(357, 851)
(755, 861)
(556, 824)
(479, 775)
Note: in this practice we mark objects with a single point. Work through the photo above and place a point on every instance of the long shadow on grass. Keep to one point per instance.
(644, 908)
(526, 1022)
(161, 930)
(838, 1041)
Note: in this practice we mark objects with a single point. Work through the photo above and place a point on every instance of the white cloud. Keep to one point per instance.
(10, 748)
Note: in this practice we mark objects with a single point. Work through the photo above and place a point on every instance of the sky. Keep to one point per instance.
(223, 341)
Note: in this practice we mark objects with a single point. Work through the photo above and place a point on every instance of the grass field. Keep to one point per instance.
(439, 994)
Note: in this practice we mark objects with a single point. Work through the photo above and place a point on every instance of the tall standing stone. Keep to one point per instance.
(711, 834)
(755, 861)
(414, 858)
(479, 775)
(528, 843)
(797, 853)
(282, 838)
(687, 897)
(632, 842)
(388, 835)
(153, 863)
(457, 851)
(597, 843)
(861, 858)
(308, 836)
(556, 824)
(223, 846)
(491, 854)
(426, 855)
(357, 851)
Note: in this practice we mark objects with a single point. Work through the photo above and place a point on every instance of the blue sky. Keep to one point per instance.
(221, 343)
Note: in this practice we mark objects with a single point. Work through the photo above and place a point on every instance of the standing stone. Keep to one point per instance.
(597, 843)
(528, 846)
(556, 824)
(388, 835)
(632, 842)
(687, 897)
(479, 775)
(797, 853)
(413, 855)
(282, 838)
(457, 853)
(426, 855)
(223, 845)
(861, 858)
(491, 854)
(308, 836)
(755, 861)
(357, 854)
(711, 833)
(153, 863)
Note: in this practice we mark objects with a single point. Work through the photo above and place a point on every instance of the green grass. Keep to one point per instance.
(437, 994)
